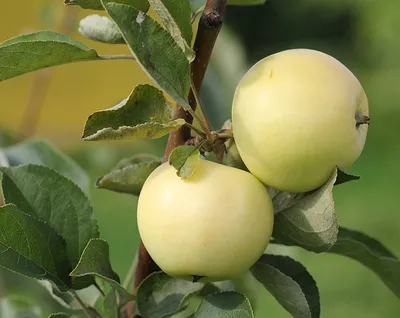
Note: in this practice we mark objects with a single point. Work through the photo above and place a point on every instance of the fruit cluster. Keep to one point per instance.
(296, 116)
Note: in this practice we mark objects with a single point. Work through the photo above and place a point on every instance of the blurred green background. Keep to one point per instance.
(363, 34)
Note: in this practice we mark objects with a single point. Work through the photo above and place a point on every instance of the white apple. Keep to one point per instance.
(297, 115)
(215, 224)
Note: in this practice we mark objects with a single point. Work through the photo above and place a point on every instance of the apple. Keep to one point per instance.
(297, 115)
(213, 225)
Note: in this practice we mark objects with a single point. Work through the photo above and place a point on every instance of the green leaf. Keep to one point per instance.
(229, 304)
(370, 253)
(160, 295)
(177, 18)
(31, 52)
(154, 49)
(95, 261)
(32, 248)
(98, 28)
(144, 114)
(59, 315)
(130, 174)
(246, 2)
(110, 305)
(43, 193)
(185, 160)
(343, 177)
(290, 283)
(88, 295)
(42, 153)
(142, 5)
(310, 222)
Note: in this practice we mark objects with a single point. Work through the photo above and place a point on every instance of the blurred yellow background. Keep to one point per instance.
(76, 90)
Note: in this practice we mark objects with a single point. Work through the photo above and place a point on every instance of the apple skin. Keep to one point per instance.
(214, 225)
(293, 118)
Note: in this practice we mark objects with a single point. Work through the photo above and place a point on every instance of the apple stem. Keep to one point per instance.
(209, 26)
(361, 119)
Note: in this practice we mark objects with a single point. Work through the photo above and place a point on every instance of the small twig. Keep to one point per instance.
(198, 131)
(89, 312)
(200, 106)
(131, 272)
(202, 124)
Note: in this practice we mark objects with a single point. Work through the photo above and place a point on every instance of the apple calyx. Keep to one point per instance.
(361, 119)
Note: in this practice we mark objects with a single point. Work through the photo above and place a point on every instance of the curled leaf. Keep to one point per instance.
(310, 222)
(144, 114)
(185, 160)
(130, 174)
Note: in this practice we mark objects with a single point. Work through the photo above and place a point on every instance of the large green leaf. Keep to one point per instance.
(290, 283)
(177, 18)
(47, 195)
(370, 253)
(95, 261)
(227, 304)
(32, 248)
(31, 52)
(161, 295)
(310, 222)
(130, 174)
(185, 160)
(42, 153)
(154, 49)
(142, 5)
(144, 114)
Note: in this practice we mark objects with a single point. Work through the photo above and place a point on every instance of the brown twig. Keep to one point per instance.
(209, 26)
(41, 84)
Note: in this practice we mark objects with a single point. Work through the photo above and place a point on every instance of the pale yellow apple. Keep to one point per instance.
(294, 119)
(215, 224)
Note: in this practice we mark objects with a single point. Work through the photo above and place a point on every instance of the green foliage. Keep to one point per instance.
(290, 283)
(31, 52)
(130, 174)
(144, 114)
(310, 222)
(95, 261)
(154, 49)
(50, 228)
(228, 304)
(176, 16)
(32, 248)
(370, 253)
(45, 194)
(110, 305)
(39, 152)
(162, 296)
(185, 160)
(142, 5)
